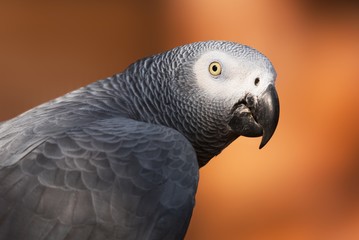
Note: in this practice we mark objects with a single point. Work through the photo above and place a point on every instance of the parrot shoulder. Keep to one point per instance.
(100, 181)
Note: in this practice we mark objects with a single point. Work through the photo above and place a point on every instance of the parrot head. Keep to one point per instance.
(244, 81)
(233, 81)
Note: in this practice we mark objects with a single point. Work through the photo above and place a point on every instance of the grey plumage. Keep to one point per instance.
(119, 158)
(95, 177)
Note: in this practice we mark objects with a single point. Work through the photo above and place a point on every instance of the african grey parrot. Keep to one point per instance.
(119, 158)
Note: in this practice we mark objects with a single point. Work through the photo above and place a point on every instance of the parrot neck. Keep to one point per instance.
(157, 100)
(204, 125)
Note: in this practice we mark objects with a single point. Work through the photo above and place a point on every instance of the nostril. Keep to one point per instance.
(256, 81)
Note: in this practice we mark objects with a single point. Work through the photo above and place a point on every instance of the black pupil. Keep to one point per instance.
(214, 68)
(256, 81)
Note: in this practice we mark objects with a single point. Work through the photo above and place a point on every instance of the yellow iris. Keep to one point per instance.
(215, 68)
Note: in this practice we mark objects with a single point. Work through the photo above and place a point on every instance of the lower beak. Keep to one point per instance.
(257, 116)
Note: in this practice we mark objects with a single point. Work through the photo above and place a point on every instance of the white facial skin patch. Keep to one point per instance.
(238, 76)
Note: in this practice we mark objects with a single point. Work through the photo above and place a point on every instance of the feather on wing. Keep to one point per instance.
(115, 179)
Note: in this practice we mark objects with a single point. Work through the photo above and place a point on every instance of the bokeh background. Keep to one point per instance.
(304, 184)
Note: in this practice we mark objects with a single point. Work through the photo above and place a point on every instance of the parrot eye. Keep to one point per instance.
(256, 81)
(215, 68)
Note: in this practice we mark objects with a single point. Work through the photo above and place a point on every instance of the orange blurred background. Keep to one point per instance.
(304, 184)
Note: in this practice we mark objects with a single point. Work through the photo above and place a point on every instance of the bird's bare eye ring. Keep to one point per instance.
(215, 68)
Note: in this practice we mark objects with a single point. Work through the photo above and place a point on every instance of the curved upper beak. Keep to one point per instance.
(267, 113)
(257, 116)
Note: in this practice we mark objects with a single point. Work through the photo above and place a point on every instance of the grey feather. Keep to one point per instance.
(125, 192)
(117, 159)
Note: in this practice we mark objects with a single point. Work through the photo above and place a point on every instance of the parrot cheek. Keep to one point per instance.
(256, 116)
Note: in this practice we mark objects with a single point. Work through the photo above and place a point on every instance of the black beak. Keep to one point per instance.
(256, 116)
